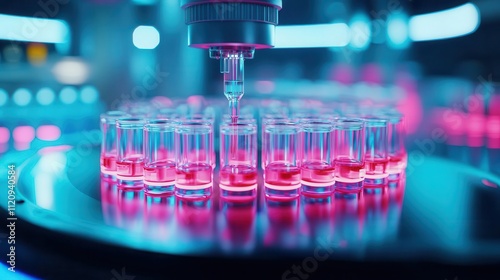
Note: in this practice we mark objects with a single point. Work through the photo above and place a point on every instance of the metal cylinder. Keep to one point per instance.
(231, 23)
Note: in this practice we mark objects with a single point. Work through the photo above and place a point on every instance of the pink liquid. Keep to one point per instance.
(108, 162)
(130, 167)
(194, 174)
(238, 175)
(317, 172)
(397, 163)
(375, 166)
(395, 158)
(281, 174)
(160, 172)
(348, 169)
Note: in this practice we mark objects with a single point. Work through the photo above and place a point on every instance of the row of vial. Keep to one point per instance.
(313, 154)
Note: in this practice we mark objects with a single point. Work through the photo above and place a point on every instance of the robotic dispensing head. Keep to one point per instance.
(231, 30)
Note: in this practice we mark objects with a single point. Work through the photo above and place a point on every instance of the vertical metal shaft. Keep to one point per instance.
(232, 61)
(232, 66)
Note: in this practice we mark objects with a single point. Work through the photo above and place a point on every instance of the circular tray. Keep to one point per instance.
(441, 207)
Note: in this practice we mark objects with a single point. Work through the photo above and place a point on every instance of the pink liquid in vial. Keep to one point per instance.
(108, 162)
(376, 165)
(349, 169)
(194, 174)
(160, 172)
(281, 174)
(130, 167)
(396, 163)
(238, 175)
(317, 172)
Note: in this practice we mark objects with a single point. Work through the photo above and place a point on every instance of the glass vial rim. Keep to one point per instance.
(349, 123)
(194, 126)
(376, 122)
(282, 127)
(240, 120)
(110, 117)
(243, 128)
(317, 125)
(160, 125)
(240, 116)
(130, 122)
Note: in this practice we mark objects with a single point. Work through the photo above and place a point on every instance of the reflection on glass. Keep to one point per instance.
(194, 222)
(317, 209)
(236, 225)
(158, 216)
(396, 191)
(348, 219)
(317, 221)
(130, 207)
(375, 219)
(282, 223)
(109, 200)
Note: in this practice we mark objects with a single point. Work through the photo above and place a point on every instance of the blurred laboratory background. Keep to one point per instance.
(63, 62)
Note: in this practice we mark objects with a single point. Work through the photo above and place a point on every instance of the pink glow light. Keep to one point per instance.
(475, 129)
(21, 146)
(48, 132)
(197, 101)
(162, 101)
(489, 184)
(453, 122)
(411, 104)
(23, 134)
(372, 73)
(265, 87)
(493, 123)
(4, 135)
(52, 149)
(493, 132)
(342, 73)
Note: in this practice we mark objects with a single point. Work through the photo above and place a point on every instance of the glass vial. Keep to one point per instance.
(376, 157)
(282, 152)
(109, 150)
(349, 152)
(194, 159)
(317, 168)
(130, 159)
(398, 157)
(238, 159)
(159, 156)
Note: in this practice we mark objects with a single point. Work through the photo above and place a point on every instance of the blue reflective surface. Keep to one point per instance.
(442, 207)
